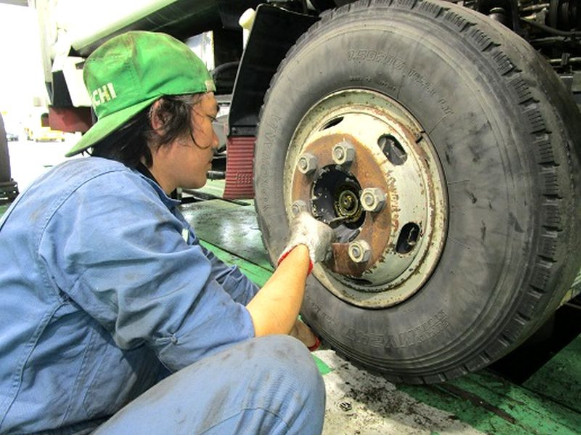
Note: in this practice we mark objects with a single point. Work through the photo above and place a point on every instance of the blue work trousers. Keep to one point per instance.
(267, 385)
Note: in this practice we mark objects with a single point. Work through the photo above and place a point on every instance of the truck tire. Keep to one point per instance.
(448, 153)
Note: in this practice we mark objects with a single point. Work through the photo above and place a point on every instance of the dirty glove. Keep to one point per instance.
(315, 235)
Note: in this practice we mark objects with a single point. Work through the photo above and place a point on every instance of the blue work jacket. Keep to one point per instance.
(104, 290)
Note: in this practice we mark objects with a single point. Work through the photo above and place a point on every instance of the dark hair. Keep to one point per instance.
(133, 141)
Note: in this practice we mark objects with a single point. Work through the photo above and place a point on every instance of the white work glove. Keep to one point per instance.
(314, 234)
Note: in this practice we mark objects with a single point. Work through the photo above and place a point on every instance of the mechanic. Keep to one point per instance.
(113, 318)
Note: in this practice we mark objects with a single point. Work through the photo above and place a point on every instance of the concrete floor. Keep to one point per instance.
(547, 401)
(362, 403)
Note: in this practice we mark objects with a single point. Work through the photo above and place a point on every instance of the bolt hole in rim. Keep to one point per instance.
(392, 149)
(388, 195)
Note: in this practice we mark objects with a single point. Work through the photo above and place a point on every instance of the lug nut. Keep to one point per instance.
(372, 199)
(307, 163)
(343, 153)
(298, 207)
(359, 251)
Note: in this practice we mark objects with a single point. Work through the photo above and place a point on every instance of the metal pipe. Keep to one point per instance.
(569, 61)
(216, 175)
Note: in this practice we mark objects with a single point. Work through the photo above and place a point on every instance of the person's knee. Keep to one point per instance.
(290, 354)
(289, 367)
(267, 385)
(301, 359)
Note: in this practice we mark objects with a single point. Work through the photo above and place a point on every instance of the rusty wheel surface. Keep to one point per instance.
(359, 161)
(445, 152)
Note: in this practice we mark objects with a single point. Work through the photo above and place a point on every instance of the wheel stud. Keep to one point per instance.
(359, 251)
(372, 199)
(343, 153)
(307, 163)
(298, 207)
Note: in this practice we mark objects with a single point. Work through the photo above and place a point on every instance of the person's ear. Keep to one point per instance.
(157, 117)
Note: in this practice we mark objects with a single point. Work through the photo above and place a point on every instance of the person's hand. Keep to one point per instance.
(303, 333)
(314, 234)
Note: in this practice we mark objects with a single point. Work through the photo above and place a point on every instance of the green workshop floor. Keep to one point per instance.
(548, 401)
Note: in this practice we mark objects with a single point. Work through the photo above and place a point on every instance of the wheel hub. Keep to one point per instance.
(335, 198)
(360, 162)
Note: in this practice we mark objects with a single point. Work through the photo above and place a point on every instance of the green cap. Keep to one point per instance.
(130, 71)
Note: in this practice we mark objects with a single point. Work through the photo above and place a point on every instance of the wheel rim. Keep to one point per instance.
(359, 161)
